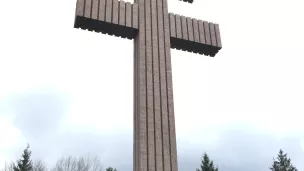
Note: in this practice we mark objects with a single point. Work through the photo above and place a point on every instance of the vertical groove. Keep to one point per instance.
(142, 161)
(218, 36)
(105, 9)
(154, 141)
(153, 99)
(175, 26)
(181, 23)
(166, 147)
(166, 81)
(160, 82)
(147, 145)
(118, 22)
(125, 17)
(169, 24)
(84, 2)
(98, 9)
(91, 8)
(149, 76)
(132, 6)
(112, 10)
(157, 95)
(199, 32)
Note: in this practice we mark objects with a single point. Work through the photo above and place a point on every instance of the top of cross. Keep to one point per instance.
(120, 18)
(189, 1)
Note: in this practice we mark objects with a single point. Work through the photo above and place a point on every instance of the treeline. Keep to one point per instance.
(281, 163)
(83, 163)
(92, 163)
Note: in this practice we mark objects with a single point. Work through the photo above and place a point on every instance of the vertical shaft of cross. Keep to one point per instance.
(154, 123)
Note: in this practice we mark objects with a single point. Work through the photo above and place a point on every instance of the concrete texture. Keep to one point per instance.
(194, 35)
(120, 18)
(154, 31)
(111, 17)
(155, 146)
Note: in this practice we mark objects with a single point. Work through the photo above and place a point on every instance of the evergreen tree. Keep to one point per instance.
(24, 164)
(207, 164)
(282, 163)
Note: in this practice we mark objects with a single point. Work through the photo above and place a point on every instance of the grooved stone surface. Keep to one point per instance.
(128, 14)
(207, 33)
(195, 30)
(201, 31)
(87, 10)
(122, 13)
(102, 10)
(184, 27)
(95, 9)
(142, 160)
(115, 12)
(156, 85)
(194, 35)
(150, 93)
(172, 25)
(178, 26)
(135, 16)
(190, 29)
(109, 10)
(218, 35)
(79, 7)
(111, 17)
(163, 86)
(212, 34)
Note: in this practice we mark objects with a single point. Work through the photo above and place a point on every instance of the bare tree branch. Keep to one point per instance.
(39, 165)
(87, 163)
(8, 167)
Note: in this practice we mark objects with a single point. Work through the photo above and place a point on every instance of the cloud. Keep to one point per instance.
(37, 112)
(39, 117)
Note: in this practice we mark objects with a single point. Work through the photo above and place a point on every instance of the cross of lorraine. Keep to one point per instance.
(154, 31)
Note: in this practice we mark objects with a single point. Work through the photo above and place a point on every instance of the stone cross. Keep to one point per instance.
(154, 31)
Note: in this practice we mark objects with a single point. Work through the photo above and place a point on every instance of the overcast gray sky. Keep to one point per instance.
(57, 86)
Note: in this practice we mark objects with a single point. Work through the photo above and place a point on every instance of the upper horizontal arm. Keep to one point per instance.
(112, 17)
